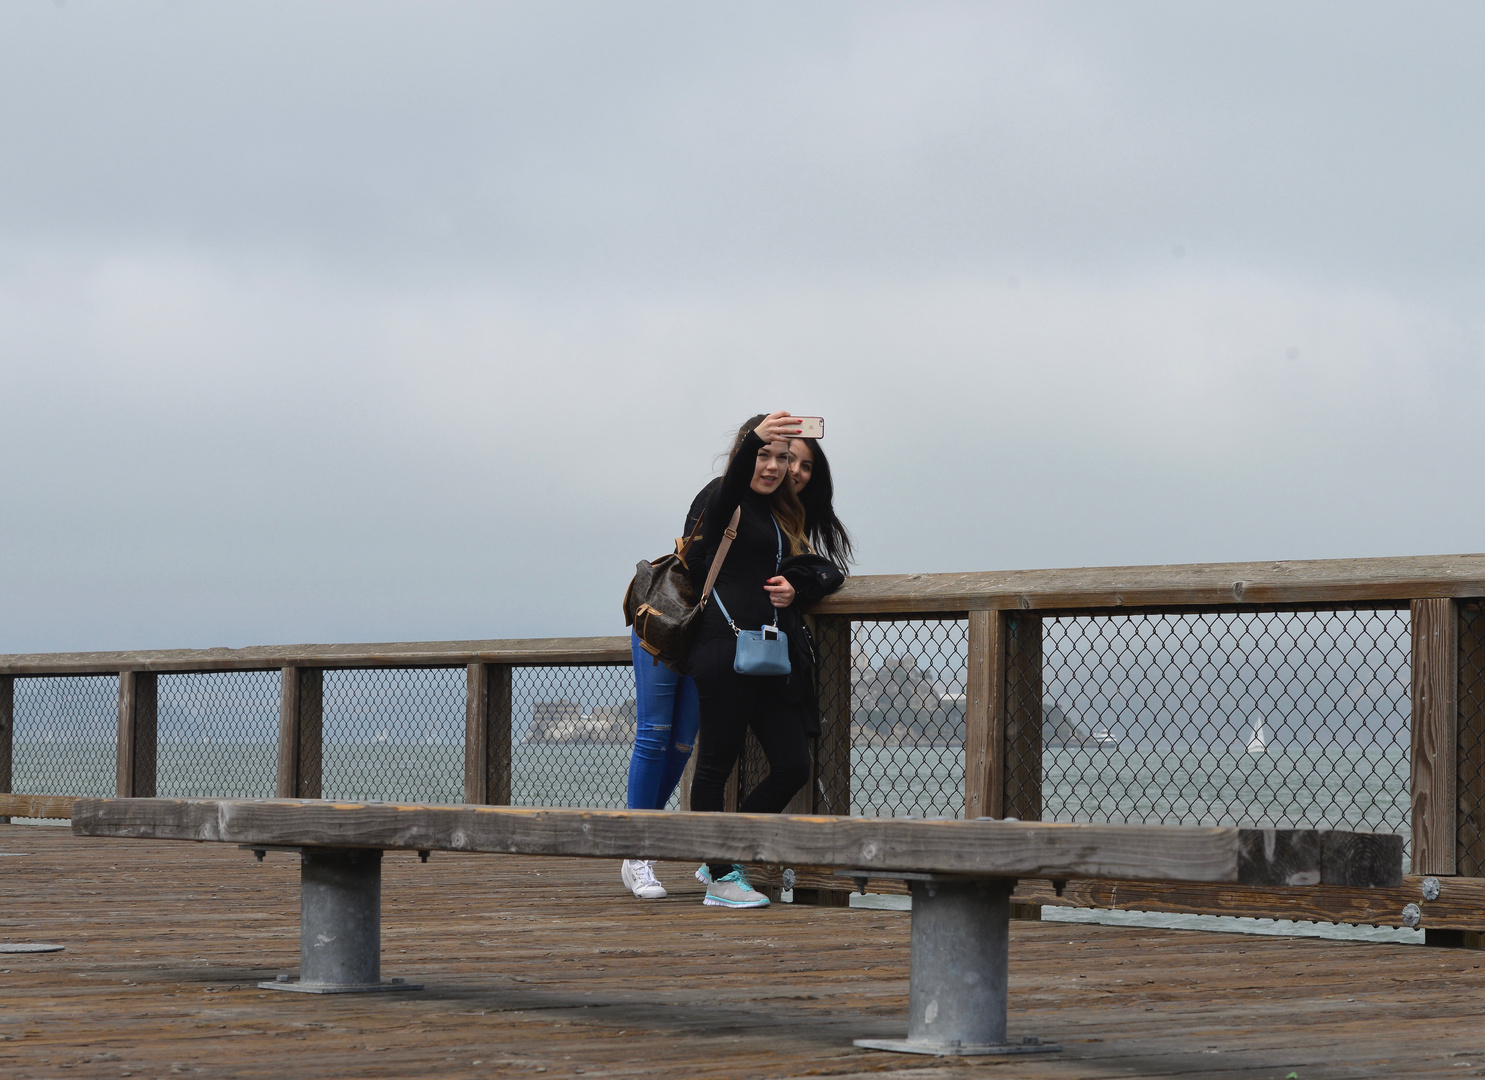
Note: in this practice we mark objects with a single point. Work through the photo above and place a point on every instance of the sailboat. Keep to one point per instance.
(1258, 744)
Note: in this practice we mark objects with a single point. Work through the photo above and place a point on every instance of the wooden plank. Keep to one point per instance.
(998, 848)
(1023, 716)
(300, 735)
(1434, 735)
(1236, 585)
(395, 654)
(984, 777)
(833, 748)
(7, 736)
(1224, 586)
(35, 806)
(158, 936)
(487, 734)
(137, 734)
(1470, 743)
(1460, 904)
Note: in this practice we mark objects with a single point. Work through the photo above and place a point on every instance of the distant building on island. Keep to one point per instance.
(895, 703)
(564, 721)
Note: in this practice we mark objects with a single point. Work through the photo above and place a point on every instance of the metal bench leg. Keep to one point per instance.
(340, 924)
(957, 983)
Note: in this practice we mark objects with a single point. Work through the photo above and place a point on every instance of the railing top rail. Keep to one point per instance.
(1217, 585)
(523, 651)
(1224, 586)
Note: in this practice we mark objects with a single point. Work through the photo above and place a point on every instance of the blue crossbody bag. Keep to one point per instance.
(764, 651)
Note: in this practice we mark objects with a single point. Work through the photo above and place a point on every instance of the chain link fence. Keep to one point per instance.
(394, 734)
(217, 734)
(1270, 718)
(65, 735)
(572, 731)
(1286, 718)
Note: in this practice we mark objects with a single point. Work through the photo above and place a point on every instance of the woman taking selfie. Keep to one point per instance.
(767, 575)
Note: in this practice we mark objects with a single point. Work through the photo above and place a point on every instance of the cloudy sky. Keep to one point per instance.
(359, 322)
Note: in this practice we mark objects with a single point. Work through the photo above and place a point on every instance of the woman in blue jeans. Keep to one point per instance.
(669, 712)
(669, 709)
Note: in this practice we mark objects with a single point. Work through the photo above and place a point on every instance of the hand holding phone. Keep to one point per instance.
(810, 427)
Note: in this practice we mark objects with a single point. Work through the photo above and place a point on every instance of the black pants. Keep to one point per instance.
(730, 705)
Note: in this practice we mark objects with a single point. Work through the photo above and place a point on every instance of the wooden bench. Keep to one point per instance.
(960, 874)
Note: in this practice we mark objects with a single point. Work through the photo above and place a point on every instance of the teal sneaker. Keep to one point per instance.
(733, 890)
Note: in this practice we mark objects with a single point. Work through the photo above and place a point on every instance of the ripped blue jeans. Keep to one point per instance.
(669, 714)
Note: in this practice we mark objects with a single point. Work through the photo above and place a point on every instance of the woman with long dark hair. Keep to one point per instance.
(809, 473)
(769, 573)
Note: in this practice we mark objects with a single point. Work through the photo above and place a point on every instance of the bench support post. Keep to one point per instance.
(957, 980)
(340, 924)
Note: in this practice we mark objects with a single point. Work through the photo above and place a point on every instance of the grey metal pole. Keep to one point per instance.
(340, 924)
(957, 978)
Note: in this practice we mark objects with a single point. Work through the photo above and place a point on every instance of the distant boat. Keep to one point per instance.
(1258, 744)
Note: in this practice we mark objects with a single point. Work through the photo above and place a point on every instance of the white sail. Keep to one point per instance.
(1258, 744)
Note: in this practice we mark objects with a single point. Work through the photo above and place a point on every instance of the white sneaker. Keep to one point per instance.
(639, 878)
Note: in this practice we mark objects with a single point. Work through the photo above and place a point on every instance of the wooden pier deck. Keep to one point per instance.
(545, 967)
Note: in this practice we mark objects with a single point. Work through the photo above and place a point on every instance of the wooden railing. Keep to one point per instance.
(1004, 613)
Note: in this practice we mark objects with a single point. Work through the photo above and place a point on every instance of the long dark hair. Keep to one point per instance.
(825, 531)
(788, 511)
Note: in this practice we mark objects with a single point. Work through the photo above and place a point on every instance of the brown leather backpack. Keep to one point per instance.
(661, 604)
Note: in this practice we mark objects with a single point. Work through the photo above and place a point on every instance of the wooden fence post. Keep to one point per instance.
(1003, 716)
(984, 717)
(832, 794)
(1023, 716)
(7, 737)
(1469, 858)
(301, 715)
(135, 759)
(1435, 736)
(487, 723)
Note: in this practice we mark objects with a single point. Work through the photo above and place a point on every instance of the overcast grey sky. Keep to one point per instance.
(357, 321)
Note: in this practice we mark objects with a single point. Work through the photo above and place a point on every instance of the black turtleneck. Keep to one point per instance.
(753, 557)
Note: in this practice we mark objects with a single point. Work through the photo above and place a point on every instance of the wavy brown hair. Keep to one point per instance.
(788, 511)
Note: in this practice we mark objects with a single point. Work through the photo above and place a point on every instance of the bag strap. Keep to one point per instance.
(728, 535)
(778, 562)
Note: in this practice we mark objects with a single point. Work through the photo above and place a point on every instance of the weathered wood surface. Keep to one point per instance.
(1240, 585)
(137, 735)
(1001, 848)
(984, 716)
(1460, 904)
(544, 967)
(833, 747)
(528, 651)
(1022, 699)
(7, 733)
(1469, 736)
(1435, 657)
(1237, 586)
(487, 728)
(36, 806)
(301, 735)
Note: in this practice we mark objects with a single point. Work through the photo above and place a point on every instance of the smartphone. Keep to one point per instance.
(810, 427)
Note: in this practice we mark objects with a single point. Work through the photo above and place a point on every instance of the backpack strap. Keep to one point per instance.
(728, 535)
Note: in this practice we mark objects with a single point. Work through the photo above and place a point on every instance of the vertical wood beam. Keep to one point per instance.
(301, 714)
(833, 748)
(7, 737)
(135, 757)
(1435, 625)
(984, 716)
(487, 734)
(1023, 716)
(1469, 857)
